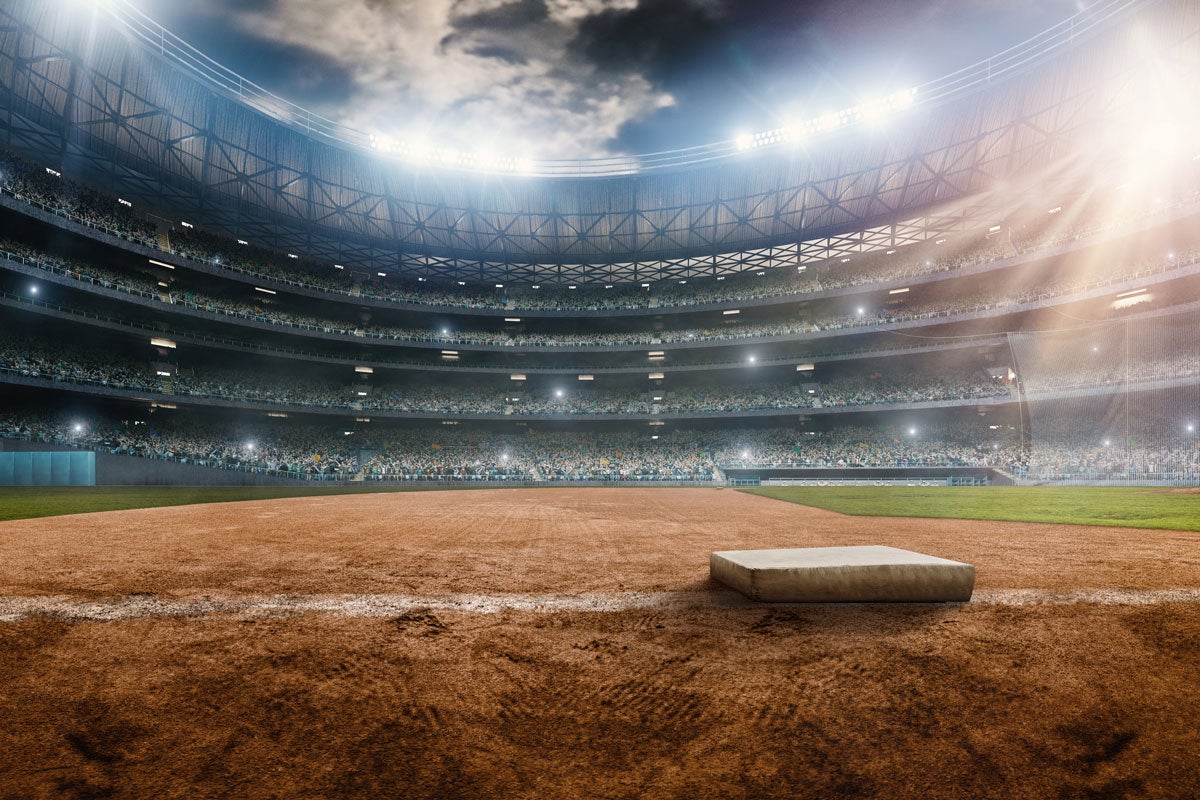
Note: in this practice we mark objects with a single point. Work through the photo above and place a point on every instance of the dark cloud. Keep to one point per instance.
(518, 14)
(733, 64)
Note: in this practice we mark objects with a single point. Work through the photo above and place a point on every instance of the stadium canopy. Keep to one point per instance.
(103, 95)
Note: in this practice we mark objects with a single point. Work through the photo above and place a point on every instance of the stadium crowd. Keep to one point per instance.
(81, 363)
(270, 311)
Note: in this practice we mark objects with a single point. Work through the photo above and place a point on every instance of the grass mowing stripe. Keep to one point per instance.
(1124, 506)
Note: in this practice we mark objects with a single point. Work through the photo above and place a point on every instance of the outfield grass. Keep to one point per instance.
(1125, 506)
(24, 502)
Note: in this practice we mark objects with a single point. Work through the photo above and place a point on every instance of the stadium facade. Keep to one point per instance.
(999, 285)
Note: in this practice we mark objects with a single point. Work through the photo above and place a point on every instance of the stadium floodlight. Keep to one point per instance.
(558, 392)
(33, 289)
(162, 264)
(512, 319)
(1107, 442)
(338, 266)
(587, 377)
(861, 311)
(912, 431)
(654, 436)
(250, 446)
(504, 456)
(264, 291)
(744, 141)
(731, 312)
(243, 241)
(745, 454)
(898, 291)
(364, 370)
(292, 255)
(77, 427)
(445, 331)
(752, 359)
(158, 342)
(1191, 427)
(656, 376)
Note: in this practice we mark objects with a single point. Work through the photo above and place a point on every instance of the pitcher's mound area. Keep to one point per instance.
(569, 643)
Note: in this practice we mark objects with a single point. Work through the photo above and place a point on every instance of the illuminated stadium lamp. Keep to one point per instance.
(250, 446)
(516, 377)
(745, 454)
(77, 428)
(364, 370)
(1191, 428)
(1131, 293)
(912, 431)
(347, 433)
(752, 359)
(361, 394)
(157, 342)
(512, 319)
(587, 377)
(338, 266)
(656, 376)
(420, 280)
(537, 286)
(168, 406)
(449, 352)
(33, 289)
(861, 311)
(1095, 348)
(381, 274)
(558, 392)
(53, 172)
(804, 367)
(608, 286)
(845, 261)
(720, 277)
(731, 312)
(654, 353)
(499, 285)
(264, 291)
(449, 422)
(1170, 256)
(683, 281)
(1107, 442)
(572, 286)
(993, 229)
(162, 373)
(292, 255)
(657, 358)
(656, 423)
(243, 241)
(940, 241)
(445, 331)
(657, 398)
(654, 436)
(504, 456)
(186, 224)
(160, 264)
(362, 419)
(124, 202)
(461, 283)
(645, 286)
(898, 291)
(1055, 210)
(277, 414)
(744, 141)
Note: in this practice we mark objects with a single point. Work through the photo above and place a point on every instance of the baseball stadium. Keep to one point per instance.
(344, 462)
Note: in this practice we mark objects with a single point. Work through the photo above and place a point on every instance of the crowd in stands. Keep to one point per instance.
(68, 198)
(380, 453)
(81, 363)
(274, 313)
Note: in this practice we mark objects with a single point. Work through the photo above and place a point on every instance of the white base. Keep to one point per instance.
(870, 574)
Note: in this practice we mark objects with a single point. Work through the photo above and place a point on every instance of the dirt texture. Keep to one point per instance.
(1093, 695)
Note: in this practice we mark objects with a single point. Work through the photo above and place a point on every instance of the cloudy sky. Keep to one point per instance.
(576, 78)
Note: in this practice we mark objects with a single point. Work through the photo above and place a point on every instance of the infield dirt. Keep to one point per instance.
(1074, 700)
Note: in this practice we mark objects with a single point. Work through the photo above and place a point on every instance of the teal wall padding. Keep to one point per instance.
(66, 468)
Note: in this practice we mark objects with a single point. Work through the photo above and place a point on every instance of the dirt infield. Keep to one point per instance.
(568, 643)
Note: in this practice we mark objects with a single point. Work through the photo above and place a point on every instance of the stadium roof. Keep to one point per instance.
(107, 98)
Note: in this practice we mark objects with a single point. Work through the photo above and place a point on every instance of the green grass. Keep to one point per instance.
(1133, 507)
(24, 502)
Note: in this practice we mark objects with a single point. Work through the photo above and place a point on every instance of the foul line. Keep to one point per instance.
(14, 608)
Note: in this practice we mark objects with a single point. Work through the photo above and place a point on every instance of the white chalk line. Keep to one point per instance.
(14, 608)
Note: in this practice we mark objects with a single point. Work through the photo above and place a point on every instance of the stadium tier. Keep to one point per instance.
(993, 297)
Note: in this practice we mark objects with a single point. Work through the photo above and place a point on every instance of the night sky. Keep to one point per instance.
(562, 79)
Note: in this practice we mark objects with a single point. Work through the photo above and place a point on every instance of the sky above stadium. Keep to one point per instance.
(581, 78)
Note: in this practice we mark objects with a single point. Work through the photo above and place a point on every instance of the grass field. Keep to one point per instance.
(1126, 506)
(1132, 507)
